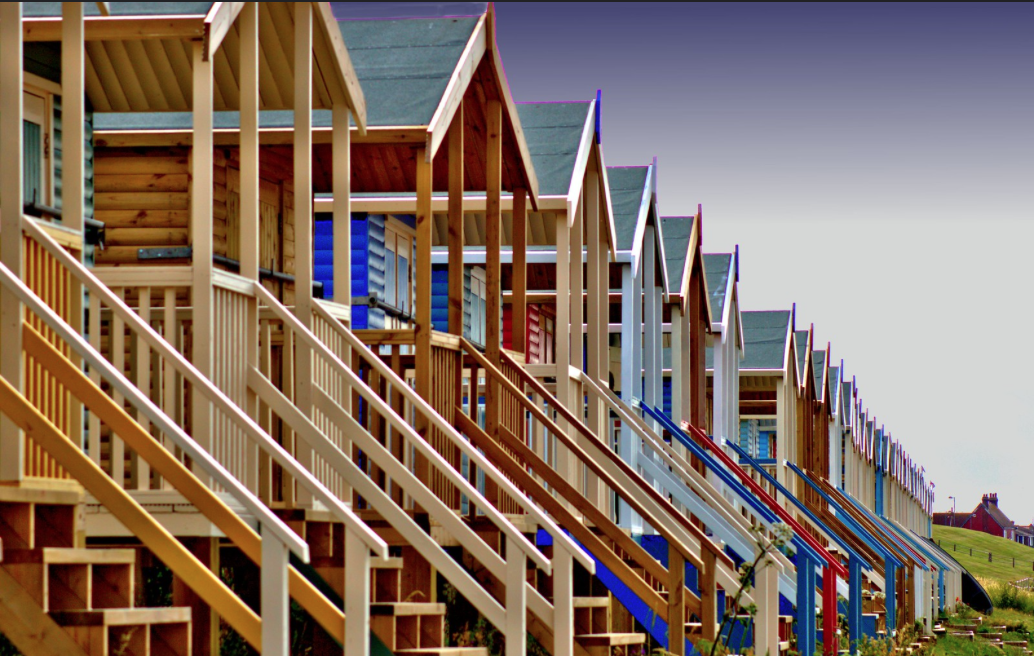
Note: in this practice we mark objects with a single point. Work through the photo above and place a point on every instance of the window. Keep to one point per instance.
(478, 304)
(36, 145)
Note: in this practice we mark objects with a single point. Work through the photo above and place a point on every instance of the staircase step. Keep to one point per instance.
(69, 556)
(402, 608)
(444, 651)
(610, 639)
(591, 602)
(391, 563)
(121, 616)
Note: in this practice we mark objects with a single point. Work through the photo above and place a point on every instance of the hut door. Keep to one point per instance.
(36, 146)
(270, 233)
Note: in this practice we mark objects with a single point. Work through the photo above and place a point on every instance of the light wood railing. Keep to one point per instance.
(275, 571)
(520, 597)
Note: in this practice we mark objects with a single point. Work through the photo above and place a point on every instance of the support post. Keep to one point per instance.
(303, 273)
(516, 600)
(73, 183)
(519, 302)
(259, 476)
(830, 642)
(676, 585)
(709, 612)
(890, 600)
(805, 604)
(766, 595)
(12, 443)
(628, 446)
(357, 595)
(677, 371)
(595, 294)
(201, 195)
(562, 335)
(493, 244)
(342, 227)
(854, 604)
(276, 605)
(563, 604)
(422, 303)
(455, 138)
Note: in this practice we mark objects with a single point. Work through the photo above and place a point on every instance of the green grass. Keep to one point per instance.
(1004, 551)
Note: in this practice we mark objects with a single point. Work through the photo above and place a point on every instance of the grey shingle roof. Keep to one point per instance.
(818, 359)
(553, 132)
(800, 342)
(39, 9)
(627, 190)
(764, 334)
(677, 232)
(716, 270)
(834, 387)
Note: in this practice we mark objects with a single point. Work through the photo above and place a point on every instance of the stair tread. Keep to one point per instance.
(391, 563)
(445, 651)
(610, 639)
(591, 602)
(397, 608)
(121, 616)
(71, 556)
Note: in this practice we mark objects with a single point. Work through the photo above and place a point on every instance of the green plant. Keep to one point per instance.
(781, 536)
(7, 647)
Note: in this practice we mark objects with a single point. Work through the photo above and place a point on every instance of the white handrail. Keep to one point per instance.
(672, 459)
(118, 381)
(475, 456)
(201, 383)
(425, 449)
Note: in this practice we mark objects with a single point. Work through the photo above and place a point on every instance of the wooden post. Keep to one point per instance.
(709, 611)
(628, 445)
(422, 270)
(12, 444)
(516, 600)
(651, 327)
(562, 335)
(519, 303)
(248, 21)
(201, 194)
(455, 138)
(493, 244)
(357, 595)
(342, 226)
(577, 472)
(595, 295)
(677, 414)
(676, 585)
(73, 184)
(766, 595)
(303, 223)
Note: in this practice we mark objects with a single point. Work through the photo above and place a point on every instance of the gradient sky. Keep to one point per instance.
(875, 163)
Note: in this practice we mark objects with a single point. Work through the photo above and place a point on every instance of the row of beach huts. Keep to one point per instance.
(314, 341)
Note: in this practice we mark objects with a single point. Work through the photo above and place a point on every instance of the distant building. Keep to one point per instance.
(988, 518)
(1025, 535)
(950, 518)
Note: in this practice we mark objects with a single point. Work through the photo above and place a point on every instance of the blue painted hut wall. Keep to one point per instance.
(367, 263)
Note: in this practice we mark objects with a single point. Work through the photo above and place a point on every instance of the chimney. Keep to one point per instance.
(985, 499)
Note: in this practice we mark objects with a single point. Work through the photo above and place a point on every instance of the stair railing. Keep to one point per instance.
(705, 502)
(643, 499)
(274, 552)
(557, 616)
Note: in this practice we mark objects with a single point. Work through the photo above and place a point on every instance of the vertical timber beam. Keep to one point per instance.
(12, 444)
(577, 400)
(201, 195)
(341, 169)
(422, 303)
(73, 188)
(455, 146)
(594, 300)
(651, 327)
(766, 595)
(677, 414)
(562, 332)
(628, 446)
(248, 20)
(493, 244)
(676, 585)
(303, 223)
(519, 240)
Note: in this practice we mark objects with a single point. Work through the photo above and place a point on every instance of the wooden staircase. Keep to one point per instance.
(61, 598)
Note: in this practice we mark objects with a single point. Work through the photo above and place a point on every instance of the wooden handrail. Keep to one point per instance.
(410, 395)
(567, 519)
(175, 472)
(131, 514)
(577, 450)
(622, 466)
(399, 385)
(198, 382)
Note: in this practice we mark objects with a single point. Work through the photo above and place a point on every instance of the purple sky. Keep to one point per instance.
(875, 162)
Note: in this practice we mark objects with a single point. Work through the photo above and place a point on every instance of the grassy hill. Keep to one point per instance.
(959, 541)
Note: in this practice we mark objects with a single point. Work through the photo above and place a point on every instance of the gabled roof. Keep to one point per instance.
(630, 196)
(405, 65)
(765, 334)
(800, 343)
(834, 390)
(553, 131)
(819, 370)
(717, 269)
(677, 232)
(996, 514)
(140, 57)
